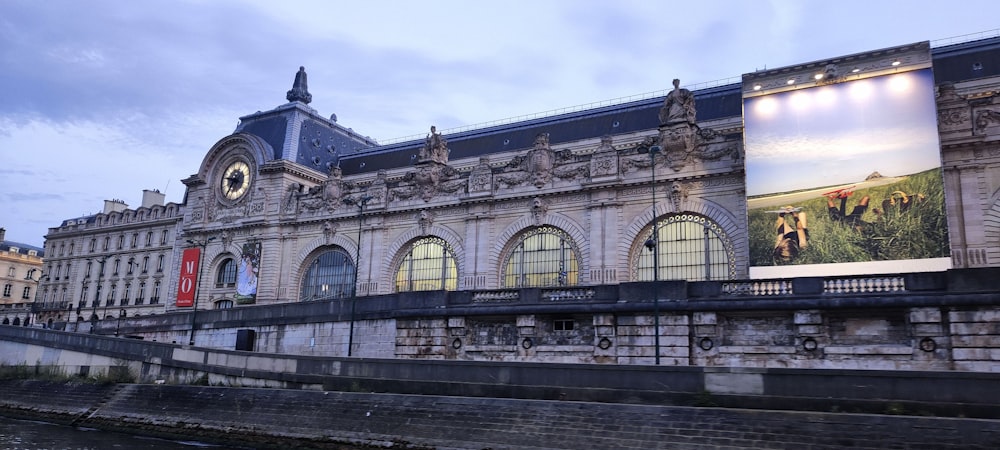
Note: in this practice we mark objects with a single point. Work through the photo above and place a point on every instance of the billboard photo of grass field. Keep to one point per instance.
(904, 218)
(845, 178)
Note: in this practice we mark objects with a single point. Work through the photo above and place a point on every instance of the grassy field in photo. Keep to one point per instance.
(920, 232)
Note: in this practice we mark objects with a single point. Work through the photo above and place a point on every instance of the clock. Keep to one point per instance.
(235, 180)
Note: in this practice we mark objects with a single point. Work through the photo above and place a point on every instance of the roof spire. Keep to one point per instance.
(300, 88)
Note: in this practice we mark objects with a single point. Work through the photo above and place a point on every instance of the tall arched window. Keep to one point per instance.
(691, 247)
(543, 256)
(226, 277)
(329, 275)
(429, 265)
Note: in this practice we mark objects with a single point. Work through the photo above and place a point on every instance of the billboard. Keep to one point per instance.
(246, 273)
(845, 177)
(188, 282)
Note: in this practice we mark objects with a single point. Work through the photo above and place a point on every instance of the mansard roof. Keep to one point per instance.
(959, 62)
(713, 103)
(967, 60)
(22, 248)
(297, 133)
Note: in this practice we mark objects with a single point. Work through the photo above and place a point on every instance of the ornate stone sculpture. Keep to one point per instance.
(425, 219)
(329, 230)
(300, 88)
(327, 195)
(540, 165)
(538, 210)
(481, 178)
(435, 148)
(678, 106)
(678, 193)
(604, 163)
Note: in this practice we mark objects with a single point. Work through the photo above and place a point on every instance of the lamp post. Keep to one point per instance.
(360, 203)
(200, 243)
(97, 293)
(121, 315)
(651, 245)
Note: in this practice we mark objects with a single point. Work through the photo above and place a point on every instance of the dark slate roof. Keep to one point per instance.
(712, 103)
(85, 219)
(959, 62)
(22, 249)
(967, 61)
(321, 142)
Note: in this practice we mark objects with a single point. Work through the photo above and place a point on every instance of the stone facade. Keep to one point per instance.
(110, 265)
(292, 191)
(20, 271)
(969, 126)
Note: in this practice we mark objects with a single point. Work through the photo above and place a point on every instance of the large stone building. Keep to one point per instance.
(294, 207)
(21, 266)
(112, 264)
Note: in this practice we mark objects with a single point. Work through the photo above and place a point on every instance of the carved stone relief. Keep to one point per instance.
(539, 208)
(678, 194)
(986, 118)
(430, 179)
(329, 231)
(326, 196)
(540, 165)
(425, 219)
(481, 178)
(604, 162)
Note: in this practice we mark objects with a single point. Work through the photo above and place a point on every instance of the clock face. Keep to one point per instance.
(235, 180)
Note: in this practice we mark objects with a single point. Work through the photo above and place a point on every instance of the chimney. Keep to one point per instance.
(152, 198)
(3, 232)
(114, 205)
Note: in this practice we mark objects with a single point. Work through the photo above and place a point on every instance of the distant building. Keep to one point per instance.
(20, 270)
(117, 262)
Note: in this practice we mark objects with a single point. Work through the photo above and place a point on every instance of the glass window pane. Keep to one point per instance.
(429, 265)
(545, 256)
(330, 275)
(690, 247)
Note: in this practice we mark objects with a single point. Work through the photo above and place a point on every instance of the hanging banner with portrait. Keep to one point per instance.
(247, 270)
(843, 167)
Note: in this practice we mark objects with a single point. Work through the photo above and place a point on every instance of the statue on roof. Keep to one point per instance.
(678, 107)
(435, 148)
(300, 88)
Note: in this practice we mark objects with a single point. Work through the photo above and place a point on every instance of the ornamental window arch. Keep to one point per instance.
(687, 245)
(327, 273)
(426, 263)
(541, 256)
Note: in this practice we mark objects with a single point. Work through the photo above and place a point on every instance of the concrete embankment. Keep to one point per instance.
(280, 418)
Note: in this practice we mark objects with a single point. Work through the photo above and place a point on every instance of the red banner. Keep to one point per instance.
(189, 277)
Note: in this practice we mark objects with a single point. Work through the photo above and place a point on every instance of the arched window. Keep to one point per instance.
(223, 304)
(226, 277)
(330, 275)
(429, 265)
(691, 247)
(543, 256)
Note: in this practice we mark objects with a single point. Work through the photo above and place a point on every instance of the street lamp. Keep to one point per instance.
(360, 203)
(651, 245)
(97, 293)
(200, 243)
(121, 315)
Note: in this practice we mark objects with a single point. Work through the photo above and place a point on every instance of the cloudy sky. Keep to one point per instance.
(100, 99)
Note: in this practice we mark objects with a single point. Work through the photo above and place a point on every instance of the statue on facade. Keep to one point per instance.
(435, 148)
(678, 106)
(300, 88)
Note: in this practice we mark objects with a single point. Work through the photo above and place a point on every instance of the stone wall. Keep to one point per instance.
(933, 321)
(970, 394)
(286, 418)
